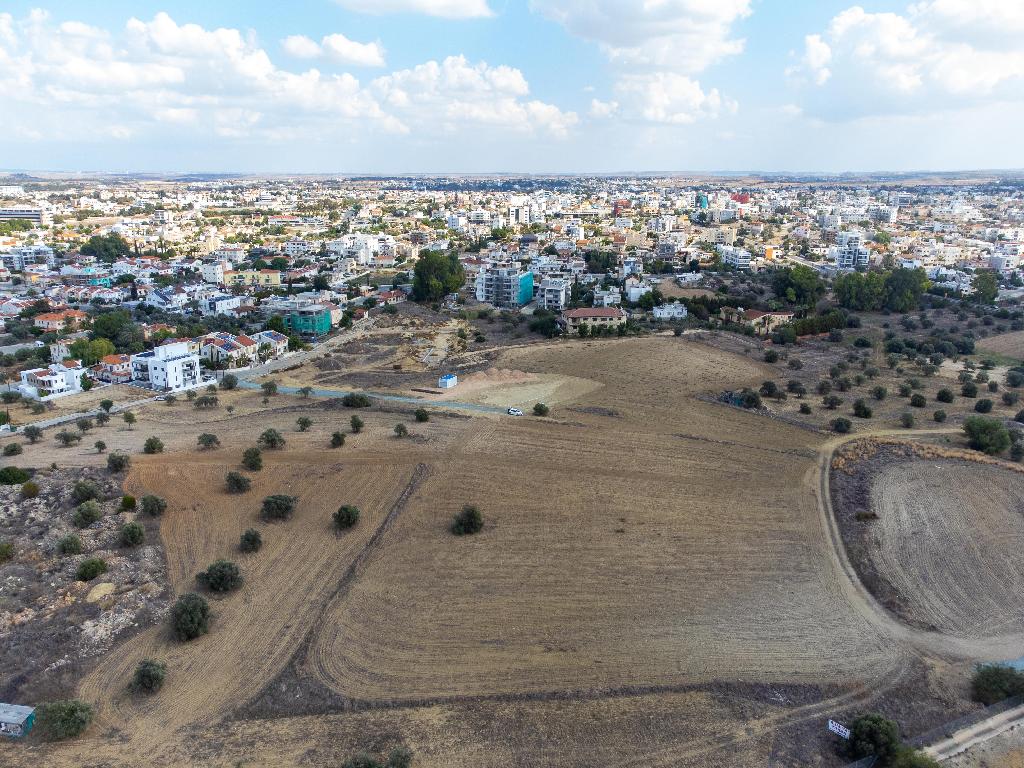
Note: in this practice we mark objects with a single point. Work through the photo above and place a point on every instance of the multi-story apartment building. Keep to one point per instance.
(504, 284)
(849, 252)
(170, 367)
(554, 293)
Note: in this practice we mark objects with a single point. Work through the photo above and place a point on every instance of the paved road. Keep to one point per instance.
(978, 733)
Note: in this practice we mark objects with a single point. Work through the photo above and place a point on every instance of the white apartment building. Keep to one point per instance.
(670, 311)
(554, 293)
(171, 367)
(21, 256)
(849, 252)
(213, 272)
(55, 380)
(219, 304)
(738, 258)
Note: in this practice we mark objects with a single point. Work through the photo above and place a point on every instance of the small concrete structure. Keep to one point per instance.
(16, 720)
(448, 381)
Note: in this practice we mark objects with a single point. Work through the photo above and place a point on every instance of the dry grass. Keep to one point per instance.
(1006, 344)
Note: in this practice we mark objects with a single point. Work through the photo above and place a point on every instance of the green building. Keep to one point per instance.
(312, 320)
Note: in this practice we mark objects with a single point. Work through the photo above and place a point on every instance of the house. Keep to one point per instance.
(277, 342)
(53, 381)
(384, 298)
(170, 367)
(600, 317)
(58, 321)
(554, 293)
(611, 297)
(670, 311)
(235, 351)
(219, 304)
(269, 278)
(16, 720)
(167, 299)
(762, 323)
(113, 369)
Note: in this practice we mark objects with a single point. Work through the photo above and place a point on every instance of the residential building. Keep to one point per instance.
(16, 259)
(674, 310)
(737, 258)
(600, 317)
(59, 321)
(554, 293)
(849, 252)
(269, 278)
(234, 351)
(277, 343)
(504, 284)
(309, 320)
(53, 381)
(170, 367)
(219, 304)
(35, 215)
(113, 369)
(762, 323)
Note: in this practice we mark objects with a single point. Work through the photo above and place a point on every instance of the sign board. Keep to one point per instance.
(836, 728)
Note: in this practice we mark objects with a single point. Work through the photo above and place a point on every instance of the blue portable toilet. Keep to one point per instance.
(16, 720)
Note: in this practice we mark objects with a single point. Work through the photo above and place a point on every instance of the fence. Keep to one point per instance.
(946, 730)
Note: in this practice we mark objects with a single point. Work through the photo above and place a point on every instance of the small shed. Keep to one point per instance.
(16, 720)
(448, 381)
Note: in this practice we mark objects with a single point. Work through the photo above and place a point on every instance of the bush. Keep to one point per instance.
(1010, 398)
(269, 388)
(127, 502)
(236, 482)
(907, 420)
(401, 430)
(986, 434)
(421, 415)
(337, 440)
(207, 441)
(154, 506)
(13, 449)
(879, 393)
(190, 617)
(230, 381)
(86, 513)
(983, 406)
(271, 439)
(540, 409)
(939, 416)
(59, 720)
(874, 735)
(149, 676)
(468, 521)
(132, 534)
(795, 363)
(995, 682)
(352, 400)
(863, 342)
(220, 576)
(153, 445)
(861, 409)
(303, 423)
(831, 401)
(206, 401)
(917, 400)
(6, 551)
(346, 517)
(118, 462)
(944, 395)
(993, 386)
(969, 389)
(67, 438)
(841, 425)
(278, 507)
(33, 433)
(90, 568)
(400, 757)
(69, 545)
(100, 446)
(252, 459)
(357, 425)
(29, 490)
(250, 541)
(771, 356)
(805, 408)
(84, 490)
(13, 476)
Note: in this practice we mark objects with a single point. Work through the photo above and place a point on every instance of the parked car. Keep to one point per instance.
(515, 412)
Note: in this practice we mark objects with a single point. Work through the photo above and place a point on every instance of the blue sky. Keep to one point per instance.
(395, 86)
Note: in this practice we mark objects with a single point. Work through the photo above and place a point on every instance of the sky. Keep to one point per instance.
(524, 86)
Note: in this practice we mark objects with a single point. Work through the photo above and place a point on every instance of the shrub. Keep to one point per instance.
(190, 617)
(905, 390)
(540, 409)
(29, 490)
(861, 409)
(995, 682)
(771, 356)
(863, 342)
(33, 433)
(271, 439)
(944, 395)
(206, 401)
(805, 408)
(346, 516)
(278, 507)
(303, 423)
(1010, 398)
(468, 521)
(6, 551)
(236, 482)
(153, 445)
(269, 388)
(67, 438)
(750, 399)
(835, 335)
(993, 386)
(84, 490)
(831, 402)
(841, 425)
(337, 440)
(400, 757)
(59, 720)
(983, 406)
(421, 415)
(917, 400)
(69, 545)
(230, 381)
(252, 459)
(220, 576)
(986, 434)
(86, 513)
(127, 502)
(100, 446)
(874, 735)
(879, 393)
(90, 568)
(132, 534)
(154, 506)
(353, 400)
(357, 425)
(969, 389)
(250, 541)
(149, 676)
(939, 416)
(1017, 451)
(13, 476)
(118, 462)
(84, 424)
(207, 441)
(795, 363)
(13, 449)
(401, 430)
(907, 420)
(106, 405)
(129, 418)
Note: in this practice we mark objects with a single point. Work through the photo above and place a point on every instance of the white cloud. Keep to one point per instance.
(447, 9)
(601, 109)
(301, 47)
(68, 81)
(939, 55)
(656, 46)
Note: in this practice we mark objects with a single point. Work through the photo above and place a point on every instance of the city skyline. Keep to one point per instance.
(484, 86)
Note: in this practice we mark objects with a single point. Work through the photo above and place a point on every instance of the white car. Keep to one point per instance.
(514, 412)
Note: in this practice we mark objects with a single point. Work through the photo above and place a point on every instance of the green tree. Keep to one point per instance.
(236, 482)
(337, 439)
(436, 275)
(58, 720)
(118, 462)
(303, 423)
(357, 425)
(346, 516)
(90, 568)
(149, 676)
(153, 445)
(986, 286)
(221, 576)
(129, 418)
(208, 441)
(252, 459)
(190, 617)
(152, 505)
(986, 434)
(401, 430)
(33, 433)
(278, 507)
(468, 521)
(874, 735)
(272, 439)
(250, 541)
(106, 248)
(132, 534)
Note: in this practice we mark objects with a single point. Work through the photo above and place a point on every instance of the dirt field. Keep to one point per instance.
(1007, 344)
(653, 584)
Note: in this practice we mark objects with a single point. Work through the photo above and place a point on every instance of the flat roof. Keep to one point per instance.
(14, 713)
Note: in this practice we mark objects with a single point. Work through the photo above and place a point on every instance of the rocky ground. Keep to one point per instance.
(51, 624)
